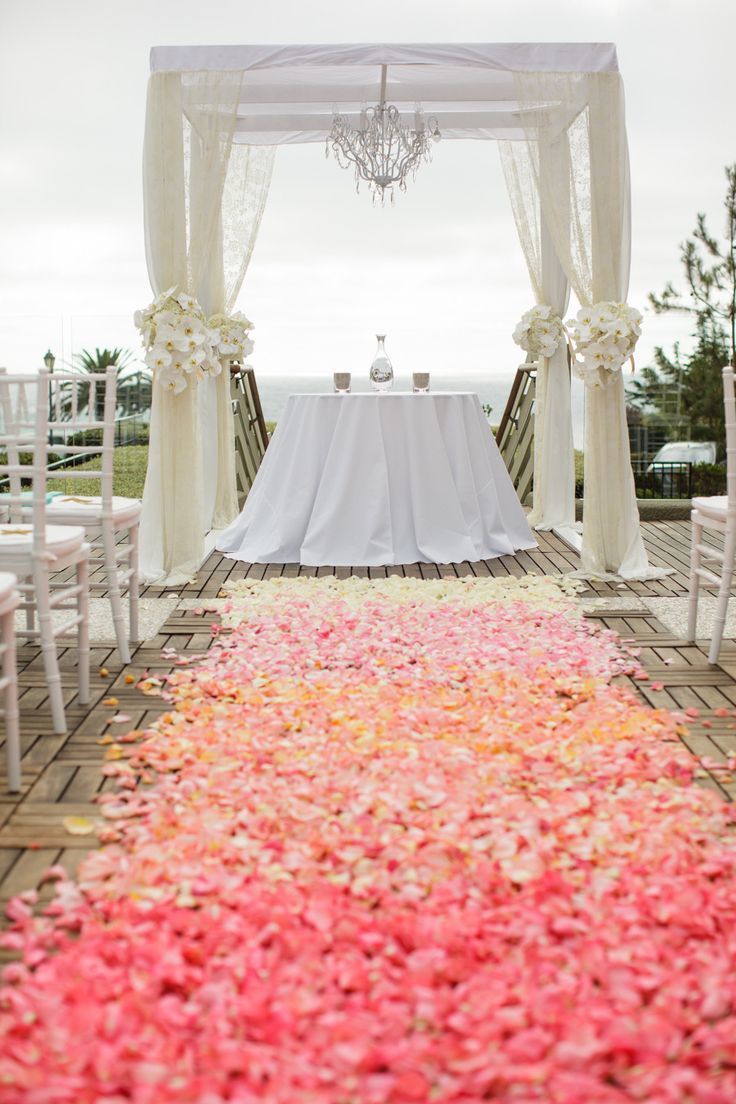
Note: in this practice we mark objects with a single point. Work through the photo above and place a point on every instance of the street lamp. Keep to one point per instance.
(50, 360)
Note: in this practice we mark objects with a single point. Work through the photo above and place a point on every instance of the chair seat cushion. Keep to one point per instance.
(26, 497)
(82, 509)
(60, 539)
(715, 505)
(8, 583)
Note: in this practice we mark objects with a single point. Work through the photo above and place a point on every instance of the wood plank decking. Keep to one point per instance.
(61, 774)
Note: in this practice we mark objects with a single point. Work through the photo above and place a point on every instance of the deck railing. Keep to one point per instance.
(251, 434)
(515, 433)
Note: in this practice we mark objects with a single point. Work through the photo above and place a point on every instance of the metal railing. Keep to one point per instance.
(665, 479)
(132, 429)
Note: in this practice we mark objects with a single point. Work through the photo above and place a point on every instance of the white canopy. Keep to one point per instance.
(291, 93)
(214, 116)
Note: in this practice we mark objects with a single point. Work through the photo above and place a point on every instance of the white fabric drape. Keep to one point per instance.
(243, 203)
(578, 119)
(217, 285)
(470, 85)
(198, 238)
(171, 533)
(554, 457)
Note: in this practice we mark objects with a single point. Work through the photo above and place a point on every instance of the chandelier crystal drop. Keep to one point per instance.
(382, 149)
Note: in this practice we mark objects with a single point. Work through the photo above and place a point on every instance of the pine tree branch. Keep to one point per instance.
(701, 234)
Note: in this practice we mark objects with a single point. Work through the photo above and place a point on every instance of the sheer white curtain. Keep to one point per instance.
(579, 118)
(554, 457)
(217, 277)
(198, 238)
(171, 532)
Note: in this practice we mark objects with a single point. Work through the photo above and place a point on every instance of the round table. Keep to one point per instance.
(377, 479)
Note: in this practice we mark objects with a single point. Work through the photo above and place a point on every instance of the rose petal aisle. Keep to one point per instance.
(404, 842)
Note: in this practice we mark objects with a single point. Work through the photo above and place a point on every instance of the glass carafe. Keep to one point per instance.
(382, 373)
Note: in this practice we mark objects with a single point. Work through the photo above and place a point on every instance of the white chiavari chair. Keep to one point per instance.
(717, 513)
(35, 551)
(75, 414)
(9, 602)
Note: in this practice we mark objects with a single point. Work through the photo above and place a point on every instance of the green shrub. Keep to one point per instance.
(129, 462)
(83, 437)
(579, 472)
(709, 479)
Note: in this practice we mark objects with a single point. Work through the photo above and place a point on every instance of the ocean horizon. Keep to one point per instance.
(492, 391)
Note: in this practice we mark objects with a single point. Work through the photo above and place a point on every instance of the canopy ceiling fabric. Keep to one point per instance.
(289, 94)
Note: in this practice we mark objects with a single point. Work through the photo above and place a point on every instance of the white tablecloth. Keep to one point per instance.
(376, 479)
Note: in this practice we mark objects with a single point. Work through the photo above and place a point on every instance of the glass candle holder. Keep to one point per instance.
(341, 382)
(420, 382)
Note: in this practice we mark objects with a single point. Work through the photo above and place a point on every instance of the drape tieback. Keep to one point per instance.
(602, 339)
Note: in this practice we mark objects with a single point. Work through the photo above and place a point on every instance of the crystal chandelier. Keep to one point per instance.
(382, 149)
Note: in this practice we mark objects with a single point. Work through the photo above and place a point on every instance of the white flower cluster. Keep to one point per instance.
(604, 336)
(230, 335)
(539, 332)
(178, 340)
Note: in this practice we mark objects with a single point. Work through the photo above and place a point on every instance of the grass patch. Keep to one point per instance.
(129, 473)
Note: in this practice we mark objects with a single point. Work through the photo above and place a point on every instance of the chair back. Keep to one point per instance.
(729, 403)
(82, 408)
(23, 438)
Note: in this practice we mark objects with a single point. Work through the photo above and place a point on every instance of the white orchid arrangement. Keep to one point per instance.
(230, 335)
(604, 337)
(178, 341)
(539, 331)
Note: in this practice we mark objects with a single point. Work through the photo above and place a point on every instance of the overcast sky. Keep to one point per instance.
(441, 272)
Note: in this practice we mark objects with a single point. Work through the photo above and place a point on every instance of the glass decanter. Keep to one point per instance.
(381, 373)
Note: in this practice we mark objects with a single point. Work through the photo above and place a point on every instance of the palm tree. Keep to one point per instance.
(134, 385)
(88, 363)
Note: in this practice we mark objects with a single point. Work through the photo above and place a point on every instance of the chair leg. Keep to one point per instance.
(12, 721)
(113, 586)
(134, 585)
(48, 648)
(694, 584)
(83, 630)
(724, 592)
(30, 619)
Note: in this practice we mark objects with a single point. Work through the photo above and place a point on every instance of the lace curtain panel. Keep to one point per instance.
(203, 202)
(576, 158)
(243, 202)
(554, 456)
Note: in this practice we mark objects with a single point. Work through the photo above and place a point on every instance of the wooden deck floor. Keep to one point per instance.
(61, 774)
(668, 544)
